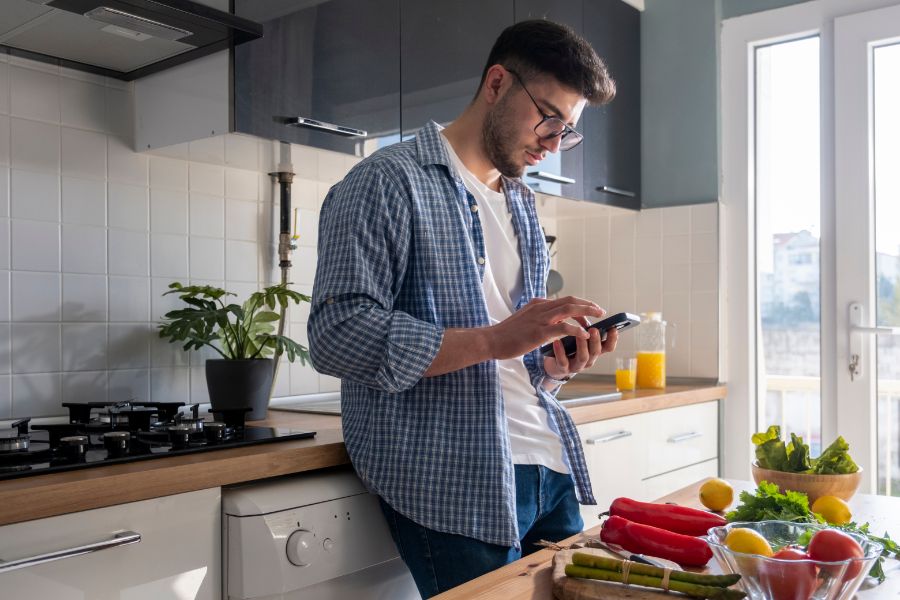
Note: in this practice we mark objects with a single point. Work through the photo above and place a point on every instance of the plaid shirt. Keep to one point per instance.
(400, 260)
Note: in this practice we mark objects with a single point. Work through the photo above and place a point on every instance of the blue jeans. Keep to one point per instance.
(546, 508)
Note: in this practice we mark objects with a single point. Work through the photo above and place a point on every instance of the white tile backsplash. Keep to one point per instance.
(168, 211)
(4, 140)
(83, 104)
(207, 179)
(128, 206)
(35, 245)
(84, 346)
(168, 173)
(4, 191)
(84, 201)
(83, 153)
(34, 195)
(168, 255)
(85, 386)
(129, 299)
(83, 249)
(34, 146)
(34, 93)
(207, 215)
(35, 347)
(84, 297)
(129, 252)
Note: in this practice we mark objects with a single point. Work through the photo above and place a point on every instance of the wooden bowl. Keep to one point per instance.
(814, 486)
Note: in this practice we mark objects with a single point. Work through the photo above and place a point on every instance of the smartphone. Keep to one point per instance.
(618, 322)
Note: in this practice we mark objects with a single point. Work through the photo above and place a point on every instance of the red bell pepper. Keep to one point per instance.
(653, 541)
(672, 517)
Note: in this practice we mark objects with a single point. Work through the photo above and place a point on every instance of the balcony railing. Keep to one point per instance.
(806, 390)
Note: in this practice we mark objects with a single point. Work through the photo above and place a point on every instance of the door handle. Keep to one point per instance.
(616, 191)
(677, 439)
(856, 329)
(322, 126)
(544, 175)
(602, 439)
(119, 539)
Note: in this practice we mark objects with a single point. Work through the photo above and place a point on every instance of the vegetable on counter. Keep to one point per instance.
(772, 454)
(768, 504)
(654, 541)
(671, 517)
(588, 566)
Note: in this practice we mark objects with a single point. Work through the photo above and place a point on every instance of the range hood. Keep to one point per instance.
(125, 39)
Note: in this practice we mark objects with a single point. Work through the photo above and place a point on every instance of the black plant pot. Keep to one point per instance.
(240, 384)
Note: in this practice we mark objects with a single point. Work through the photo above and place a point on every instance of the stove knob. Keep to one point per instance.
(300, 546)
(328, 545)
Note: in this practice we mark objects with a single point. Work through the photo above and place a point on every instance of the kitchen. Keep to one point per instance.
(114, 189)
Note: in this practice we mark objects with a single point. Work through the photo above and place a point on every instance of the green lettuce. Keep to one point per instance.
(773, 454)
(836, 459)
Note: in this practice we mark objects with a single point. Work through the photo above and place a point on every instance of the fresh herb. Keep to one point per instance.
(773, 454)
(768, 504)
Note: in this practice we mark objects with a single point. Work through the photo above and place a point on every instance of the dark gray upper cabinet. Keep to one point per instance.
(560, 174)
(444, 46)
(612, 133)
(334, 61)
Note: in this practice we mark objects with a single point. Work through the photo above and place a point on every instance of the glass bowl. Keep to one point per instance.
(777, 579)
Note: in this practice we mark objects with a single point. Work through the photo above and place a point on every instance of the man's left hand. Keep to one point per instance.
(559, 366)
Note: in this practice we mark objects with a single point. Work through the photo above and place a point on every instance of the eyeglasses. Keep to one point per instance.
(549, 126)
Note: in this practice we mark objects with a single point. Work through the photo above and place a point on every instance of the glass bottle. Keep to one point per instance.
(651, 352)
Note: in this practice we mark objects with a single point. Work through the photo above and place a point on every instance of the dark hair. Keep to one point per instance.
(541, 47)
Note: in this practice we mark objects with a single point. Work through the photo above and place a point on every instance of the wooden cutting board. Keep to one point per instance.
(570, 588)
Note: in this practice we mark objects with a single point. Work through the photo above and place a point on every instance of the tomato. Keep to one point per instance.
(788, 581)
(831, 545)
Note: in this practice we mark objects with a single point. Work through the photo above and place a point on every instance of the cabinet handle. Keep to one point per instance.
(119, 539)
(323, 126)
(550, 177)
(677, 439)
(602, 439)
(616, 191)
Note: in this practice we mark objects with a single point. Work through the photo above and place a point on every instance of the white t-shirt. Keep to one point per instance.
(531, 440)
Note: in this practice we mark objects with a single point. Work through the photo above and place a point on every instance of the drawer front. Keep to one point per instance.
(682, 436)
(662, 485)
(615, 460)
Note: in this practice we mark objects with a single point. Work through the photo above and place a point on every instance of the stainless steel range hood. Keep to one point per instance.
(125, 39)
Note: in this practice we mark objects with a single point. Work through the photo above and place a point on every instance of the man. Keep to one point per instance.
(428, 305)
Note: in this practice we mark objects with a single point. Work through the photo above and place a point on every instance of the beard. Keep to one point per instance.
(498, 136)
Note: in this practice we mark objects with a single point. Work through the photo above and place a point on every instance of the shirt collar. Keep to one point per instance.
(431, 151)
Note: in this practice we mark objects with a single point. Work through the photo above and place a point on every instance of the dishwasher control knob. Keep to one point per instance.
(328, 544)
(300, 547)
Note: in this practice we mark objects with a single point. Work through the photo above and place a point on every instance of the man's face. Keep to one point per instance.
(509, 138)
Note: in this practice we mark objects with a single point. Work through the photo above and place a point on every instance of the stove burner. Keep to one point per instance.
(180, 436)
(116, 443)
(16, 438)
(214, 432)
(80, 412)
(74, 447)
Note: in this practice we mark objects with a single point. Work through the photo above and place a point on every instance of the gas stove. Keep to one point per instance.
(104, 433)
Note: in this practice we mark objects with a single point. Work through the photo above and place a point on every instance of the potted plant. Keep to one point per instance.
(243, 334)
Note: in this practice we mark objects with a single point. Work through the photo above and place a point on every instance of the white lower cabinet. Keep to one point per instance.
(178, 556)
(649, 455)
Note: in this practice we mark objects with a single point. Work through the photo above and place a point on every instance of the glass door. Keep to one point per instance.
(867, 189)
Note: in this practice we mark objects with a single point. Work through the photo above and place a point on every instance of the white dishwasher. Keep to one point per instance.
(317, 536)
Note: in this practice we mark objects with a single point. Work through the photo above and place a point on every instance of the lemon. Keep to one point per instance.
(747, 541)
(833, 509)
(716, 494)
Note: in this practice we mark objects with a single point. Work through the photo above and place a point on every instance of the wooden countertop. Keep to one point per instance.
(38, 496)
(530, 577)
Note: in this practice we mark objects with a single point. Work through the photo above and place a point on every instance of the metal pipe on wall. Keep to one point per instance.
(284, 177)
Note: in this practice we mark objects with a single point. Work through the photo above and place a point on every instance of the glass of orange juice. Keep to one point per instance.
(626, 374)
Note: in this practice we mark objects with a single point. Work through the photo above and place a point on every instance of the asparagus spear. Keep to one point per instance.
(613, 564)
(691, 589)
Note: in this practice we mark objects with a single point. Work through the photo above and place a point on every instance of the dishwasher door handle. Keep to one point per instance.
(119, 539)
(609, 437)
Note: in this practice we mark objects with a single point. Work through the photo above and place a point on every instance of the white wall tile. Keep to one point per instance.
(128, 206)
(207, 258)
(308, 228)
(306, 162)
(126, 166)
(208, 150)
(240, 261)
(648, 251)
(4, 88)
(84, 297)
(649, 223)
(34, 146)
(676, 220)
(160, 304)
(704, 334)
(120, 115)
(34, 195)
(83, 104)
(305, 266)
(242, 222)
(84, 201)
(241, 151)
(34, 94)
(6, 397)
(168, 173)
(35, 65)
(35, 296)
(84, 346)
(705, 218)
(704, 277)
(129, 384)
(37, 395)
(169, 385)
(4, 140)
(35, 347)
(5, 298)
(4, 191)
(207, 179)
(676, 249)
(5, 350)
(305, 193)
(129, 345)
(128, 253)
(331, 166)
(242, 185)
(199, 390)
(129, 299)
(84, 249)
(86, 386)
(4, 244)
(69, 74)
(168, 211)
(35, 245)
(303, 379)
(83, 153)
(207, 215)
(676, 278)
(176, 151)
(328, 383)
(623, 225)
(168, 255)
(704, 248)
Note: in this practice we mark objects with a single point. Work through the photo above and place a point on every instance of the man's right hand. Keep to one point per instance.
(539, 322)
